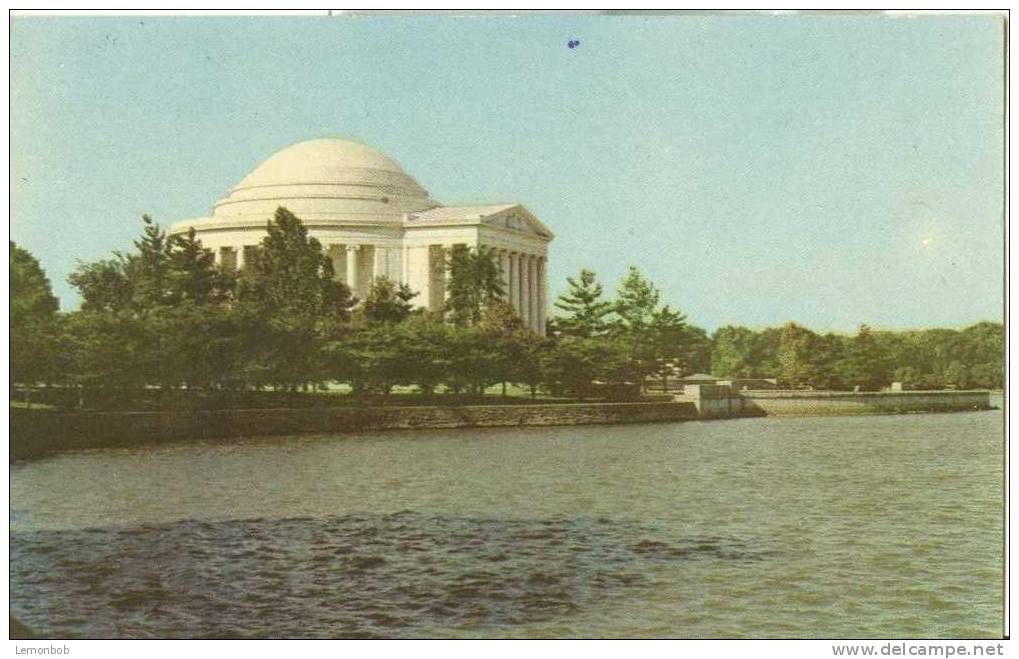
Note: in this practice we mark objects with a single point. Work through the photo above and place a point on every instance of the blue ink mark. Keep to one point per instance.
(573, 43)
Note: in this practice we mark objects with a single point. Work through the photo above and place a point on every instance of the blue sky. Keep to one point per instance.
(831, 170)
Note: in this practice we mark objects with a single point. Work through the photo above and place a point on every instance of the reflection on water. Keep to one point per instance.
(824, 527)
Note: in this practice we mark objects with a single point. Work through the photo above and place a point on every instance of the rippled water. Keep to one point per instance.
(878, 526)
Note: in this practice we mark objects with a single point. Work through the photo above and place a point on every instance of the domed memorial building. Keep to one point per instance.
(374, 220)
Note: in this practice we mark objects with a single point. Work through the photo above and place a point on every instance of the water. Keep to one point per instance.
(878, 526)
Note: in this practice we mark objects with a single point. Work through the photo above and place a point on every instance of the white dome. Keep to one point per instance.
(326, 180)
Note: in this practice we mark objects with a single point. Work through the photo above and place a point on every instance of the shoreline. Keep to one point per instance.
(38, 433)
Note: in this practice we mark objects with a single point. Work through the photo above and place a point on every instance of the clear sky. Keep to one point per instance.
(831, 170)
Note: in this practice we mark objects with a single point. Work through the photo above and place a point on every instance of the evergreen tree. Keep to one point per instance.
(667, 343)
(290, 304)
(585, 309)
(474, 282)
(652, 336)
(388, 302)
(636, 302)
(192, 274)
(148, 268)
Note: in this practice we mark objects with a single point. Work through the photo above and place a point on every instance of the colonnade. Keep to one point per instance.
(524, 276)
(525, 286)
(348, 271)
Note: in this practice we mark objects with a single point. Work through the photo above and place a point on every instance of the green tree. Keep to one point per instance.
(388, 302)
(795, 354)
(369, 358)
(114, 342)
(652, 336)
(482, 354)
(426, 350)
(510, 340)
(192, 275)
(31, 294)
(196, 324)
(525, 352)
(666, 347)
(866, 363)
(695, 351)
(34, 352)
(199, 346)
(168, 301)
(107, 350)
(826, 353)
(585, 310)
(291, 304)
(574, 365)
(474, 282)
(766, 352)
(733, 352)
(103, 285)
(149, 268)
(957, 375)
(636, 303)
(983, 350)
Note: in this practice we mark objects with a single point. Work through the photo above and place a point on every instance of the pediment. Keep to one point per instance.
(518, 218)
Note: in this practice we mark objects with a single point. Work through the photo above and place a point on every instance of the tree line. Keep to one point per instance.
(920, 359)
(164, 316)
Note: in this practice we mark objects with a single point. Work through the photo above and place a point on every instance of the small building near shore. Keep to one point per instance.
(751, 384)
(374, 220)
(699, 378)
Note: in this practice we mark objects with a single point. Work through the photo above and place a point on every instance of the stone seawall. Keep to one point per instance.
(819, 403)
(720, 402)
(38, 432)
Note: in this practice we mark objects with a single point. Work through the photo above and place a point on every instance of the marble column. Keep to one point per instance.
(532, 275)
(436, 277)
(381, 260)
(504, 273)
(353, 282)
(525, 289)
(522, 286)
(542, 293)
(239, 259)
(514, 280)
(447, 272)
